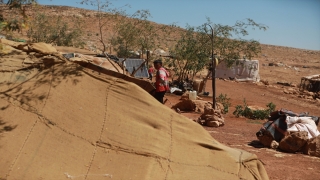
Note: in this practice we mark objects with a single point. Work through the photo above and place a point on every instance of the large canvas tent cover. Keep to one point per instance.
(76, 121)
(242, 70)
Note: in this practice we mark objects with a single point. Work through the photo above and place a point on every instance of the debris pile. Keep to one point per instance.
(303, 93)
(209, 116)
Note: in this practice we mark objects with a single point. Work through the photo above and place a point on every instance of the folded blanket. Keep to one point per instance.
(302, 124)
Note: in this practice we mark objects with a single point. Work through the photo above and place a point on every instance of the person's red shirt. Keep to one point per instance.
(150, 70)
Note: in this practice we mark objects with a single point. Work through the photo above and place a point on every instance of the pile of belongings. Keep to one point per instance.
(291, 132)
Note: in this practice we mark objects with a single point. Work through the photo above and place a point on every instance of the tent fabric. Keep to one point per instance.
(70, 122)
(242, 70)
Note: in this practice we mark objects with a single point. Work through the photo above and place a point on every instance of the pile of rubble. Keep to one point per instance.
(303, 93)
(209, 116)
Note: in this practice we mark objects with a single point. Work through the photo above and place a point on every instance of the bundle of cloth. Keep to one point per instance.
(284, 122)
(308, 124)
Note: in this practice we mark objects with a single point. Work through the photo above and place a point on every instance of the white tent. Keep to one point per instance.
(243, 70)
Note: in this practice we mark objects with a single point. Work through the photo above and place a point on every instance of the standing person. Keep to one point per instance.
(150, 71)
(162, 85)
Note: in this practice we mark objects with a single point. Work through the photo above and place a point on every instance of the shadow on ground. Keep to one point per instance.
(256, 144)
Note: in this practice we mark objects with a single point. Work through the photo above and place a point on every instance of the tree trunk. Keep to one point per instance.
(205, 81)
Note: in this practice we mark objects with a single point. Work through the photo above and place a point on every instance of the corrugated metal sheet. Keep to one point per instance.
(133, 64)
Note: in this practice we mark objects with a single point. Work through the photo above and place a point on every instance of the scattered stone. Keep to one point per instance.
(192, 105)
(265, 138)
(213, 123)
(274, 144)
(312, 147)
(293, 85)
(284, 83)
(279, 64)
(212, 117)
(309, 97)
(265, 82)
(294, 141)
(297, 69)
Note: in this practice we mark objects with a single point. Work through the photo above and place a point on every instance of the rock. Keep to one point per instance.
(254, 108)
(300, 96)
(293, 85)
(309, 97)
(294, 141)
(312, 147)
(200, 105)
(193, 105)
(265, 82)
(212, 123)
(185, 96)
(310, 93)
(274, 144)
(184, 105)
(295, 68)
(286, 91)
(279, 64)
(265, 138)
(291, 89)
(212, 117)
(284, 83)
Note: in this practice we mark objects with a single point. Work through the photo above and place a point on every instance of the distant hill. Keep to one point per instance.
(277, 63)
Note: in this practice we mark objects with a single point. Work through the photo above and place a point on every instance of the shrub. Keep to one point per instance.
(245, 111)
(55, 30)
(225, 102)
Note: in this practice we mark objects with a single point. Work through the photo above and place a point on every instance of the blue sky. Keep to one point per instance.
(292, 23)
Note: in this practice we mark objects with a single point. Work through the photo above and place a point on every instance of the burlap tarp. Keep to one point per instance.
(70, 122)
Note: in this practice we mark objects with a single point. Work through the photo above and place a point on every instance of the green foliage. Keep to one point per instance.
(190, 54)
(228, 41)
(195, 46)
(105, 13)
(245, 111)
(225, 102)
(18, 18)
(137, 34)
(55, 30)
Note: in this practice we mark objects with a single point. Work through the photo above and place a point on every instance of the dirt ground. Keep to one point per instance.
(240, 132)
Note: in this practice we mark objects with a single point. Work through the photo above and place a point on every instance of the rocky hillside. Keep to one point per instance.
(278, 63)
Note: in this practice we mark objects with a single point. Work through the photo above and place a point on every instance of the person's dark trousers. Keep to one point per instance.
(159, 96)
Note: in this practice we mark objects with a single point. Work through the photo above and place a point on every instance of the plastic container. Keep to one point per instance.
(193, 95)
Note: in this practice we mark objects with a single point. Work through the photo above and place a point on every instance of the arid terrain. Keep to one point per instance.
(240, 132)
(277, 64)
